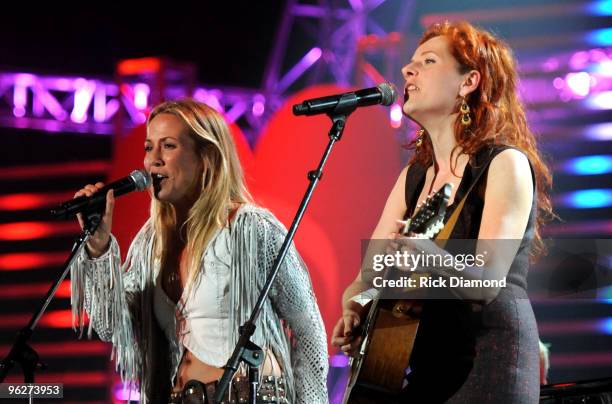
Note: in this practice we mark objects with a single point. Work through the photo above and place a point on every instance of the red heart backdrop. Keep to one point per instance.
(346, 204)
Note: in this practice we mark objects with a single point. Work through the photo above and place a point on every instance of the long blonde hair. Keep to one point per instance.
(222, 182)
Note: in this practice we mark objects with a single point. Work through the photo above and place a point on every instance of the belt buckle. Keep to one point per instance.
(194, 392)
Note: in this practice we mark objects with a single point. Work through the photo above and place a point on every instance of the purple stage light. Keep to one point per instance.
(356, 5)
(550, 65)
(19, 111)
(300, 67)
(259, 105)
(20, 93)
(209, 97)
(99, 111)
(559, 83)
(579, 60)
(124, 392)
(339, 361)
(141, 96)
(82, 100)
(313, 55)
(236, 111)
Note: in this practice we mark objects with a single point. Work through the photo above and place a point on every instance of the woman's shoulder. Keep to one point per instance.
(510, 174)
(500, 152)
(251, 214)
(147, 229)
(510, 159)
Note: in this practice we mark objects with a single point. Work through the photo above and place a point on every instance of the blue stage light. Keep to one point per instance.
(589, 165)
(605, 325)
(589, 198)
(603, 7)
(600, 37)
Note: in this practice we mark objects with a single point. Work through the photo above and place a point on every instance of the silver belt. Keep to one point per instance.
(271, 390)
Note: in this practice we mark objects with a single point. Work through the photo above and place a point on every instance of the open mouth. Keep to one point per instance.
(158, 179)
(408, 89)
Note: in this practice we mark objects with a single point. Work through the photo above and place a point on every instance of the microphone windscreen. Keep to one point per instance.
(388, 92)
(141, 178)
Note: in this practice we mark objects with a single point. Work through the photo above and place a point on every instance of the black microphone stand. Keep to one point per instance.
(245, 350)
(21, 352)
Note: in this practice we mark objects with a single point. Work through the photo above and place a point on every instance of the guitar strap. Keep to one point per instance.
(477, 172)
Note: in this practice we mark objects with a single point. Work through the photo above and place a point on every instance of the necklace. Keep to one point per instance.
(173, 278)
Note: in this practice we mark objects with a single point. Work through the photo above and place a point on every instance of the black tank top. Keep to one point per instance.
(444, 349)
(468, 223)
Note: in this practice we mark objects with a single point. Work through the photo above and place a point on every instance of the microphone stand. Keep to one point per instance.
(245, 350)
(21, 352)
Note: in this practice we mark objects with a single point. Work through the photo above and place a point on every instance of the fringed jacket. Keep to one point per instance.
(119, 302)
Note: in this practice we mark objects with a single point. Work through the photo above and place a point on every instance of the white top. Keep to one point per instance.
(199, 321)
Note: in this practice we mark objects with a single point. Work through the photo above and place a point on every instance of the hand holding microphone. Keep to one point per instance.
(99, 241)
(98, 197)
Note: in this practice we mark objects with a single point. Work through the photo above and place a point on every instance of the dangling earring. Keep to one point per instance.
(420, 137)
(465, 114)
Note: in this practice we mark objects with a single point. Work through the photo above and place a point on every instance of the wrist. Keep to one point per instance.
(352, 307)
(96, 250)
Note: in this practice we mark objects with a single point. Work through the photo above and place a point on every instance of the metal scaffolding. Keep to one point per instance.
(328, 41)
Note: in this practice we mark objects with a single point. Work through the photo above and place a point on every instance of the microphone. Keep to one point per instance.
(138, 180)
(383, 94)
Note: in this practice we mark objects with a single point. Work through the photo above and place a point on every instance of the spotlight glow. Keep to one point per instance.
(579, 83)
(141, 96)
(82, 99)
(259, 105)
(599, 132)
(600, 37)
(602, 7)
(125, 392)
(588, 199)
(396, 115)
(605, 326)
(604, 68)
(589, 165)
(602, 100)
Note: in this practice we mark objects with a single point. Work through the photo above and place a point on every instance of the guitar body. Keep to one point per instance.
(379, 370)
(389, 331)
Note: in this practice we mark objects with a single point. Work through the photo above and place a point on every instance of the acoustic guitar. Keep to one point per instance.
(389, 330)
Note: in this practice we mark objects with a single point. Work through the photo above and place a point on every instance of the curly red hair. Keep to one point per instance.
(498, 115)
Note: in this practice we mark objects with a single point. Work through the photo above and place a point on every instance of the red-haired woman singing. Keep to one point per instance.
(461, 89)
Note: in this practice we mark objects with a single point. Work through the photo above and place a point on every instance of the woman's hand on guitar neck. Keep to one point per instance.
(346, 334)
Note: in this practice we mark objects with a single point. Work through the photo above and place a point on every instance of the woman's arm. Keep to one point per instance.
(295, 302)
(110, 296)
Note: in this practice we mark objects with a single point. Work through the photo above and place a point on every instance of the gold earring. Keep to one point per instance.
(465, 111)
(420, 137)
